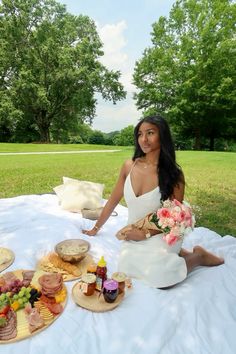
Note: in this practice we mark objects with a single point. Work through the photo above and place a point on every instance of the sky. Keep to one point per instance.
(124, 27)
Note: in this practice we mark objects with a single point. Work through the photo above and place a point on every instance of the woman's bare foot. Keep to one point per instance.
(207, 258)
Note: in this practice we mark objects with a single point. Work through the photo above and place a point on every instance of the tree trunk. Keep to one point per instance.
(43, 125)
(197, 143)
(212, 142)
(44, 135)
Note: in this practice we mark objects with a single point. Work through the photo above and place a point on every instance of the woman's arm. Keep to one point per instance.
(113, 200)
(178, 192)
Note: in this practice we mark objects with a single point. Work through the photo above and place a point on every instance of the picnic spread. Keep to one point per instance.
(98, 310)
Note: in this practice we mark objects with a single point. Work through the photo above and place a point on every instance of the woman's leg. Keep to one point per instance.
(200, 257)
(183, 252)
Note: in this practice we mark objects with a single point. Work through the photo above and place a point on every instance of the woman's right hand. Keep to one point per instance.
(110, 205)
(92, 232)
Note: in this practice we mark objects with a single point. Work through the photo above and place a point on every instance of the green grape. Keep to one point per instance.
(20, 300)
(21, 293)
(15, 297)
(2, 297)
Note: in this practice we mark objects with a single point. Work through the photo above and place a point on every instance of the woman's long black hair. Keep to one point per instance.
(170, 173)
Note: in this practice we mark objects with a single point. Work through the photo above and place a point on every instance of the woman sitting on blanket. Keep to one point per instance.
(150, 177)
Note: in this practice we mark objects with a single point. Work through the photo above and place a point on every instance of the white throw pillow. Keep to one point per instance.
(69, 180)
(59, 191)
(75, 195)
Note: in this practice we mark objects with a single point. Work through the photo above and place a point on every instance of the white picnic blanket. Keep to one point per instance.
(196, 317)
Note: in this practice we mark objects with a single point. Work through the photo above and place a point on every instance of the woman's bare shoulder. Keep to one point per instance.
(128, 163)
(127, 166)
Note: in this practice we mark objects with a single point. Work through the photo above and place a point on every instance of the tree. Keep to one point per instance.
(80, 134)
(189, 73)
(126, 136)
(97, 137)
(110, 137)
(49, 65)
(8, 115)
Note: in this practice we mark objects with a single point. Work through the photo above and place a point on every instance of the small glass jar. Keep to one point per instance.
(120, 278)
(110, 290)
(92, 268)
(88, 284)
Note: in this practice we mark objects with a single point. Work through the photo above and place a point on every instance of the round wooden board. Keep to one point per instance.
(94, 302)
(22, 323)
(4, 266)
(82, 266)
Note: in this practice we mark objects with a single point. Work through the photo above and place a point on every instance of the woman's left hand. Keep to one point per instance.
(135, 235)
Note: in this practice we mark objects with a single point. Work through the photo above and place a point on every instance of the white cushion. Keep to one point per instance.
(75, 195)
(59, 191)
(69, 180)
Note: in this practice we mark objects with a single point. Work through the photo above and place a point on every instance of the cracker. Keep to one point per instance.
(59, 263)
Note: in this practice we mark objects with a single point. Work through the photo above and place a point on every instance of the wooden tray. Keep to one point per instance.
(45, 265)
(94, 302)
(5, 265)
(22, 323)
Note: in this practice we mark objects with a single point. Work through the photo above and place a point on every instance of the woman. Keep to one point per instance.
(151, 176)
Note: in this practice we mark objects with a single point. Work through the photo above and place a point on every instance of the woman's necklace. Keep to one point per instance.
(146, 165)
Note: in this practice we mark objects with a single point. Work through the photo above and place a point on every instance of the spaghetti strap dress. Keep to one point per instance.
(152, 260)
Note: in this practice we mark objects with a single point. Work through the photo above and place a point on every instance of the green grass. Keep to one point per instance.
(210, 176)
(6, 147)
(211, 185)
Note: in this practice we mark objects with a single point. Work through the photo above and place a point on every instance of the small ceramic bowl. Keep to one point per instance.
(72, 250)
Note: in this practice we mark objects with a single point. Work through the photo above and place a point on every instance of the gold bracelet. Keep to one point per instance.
(96, 228)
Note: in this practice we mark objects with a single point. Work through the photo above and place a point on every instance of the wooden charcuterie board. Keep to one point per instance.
(95, 302)
(46, 265)
(22, 323)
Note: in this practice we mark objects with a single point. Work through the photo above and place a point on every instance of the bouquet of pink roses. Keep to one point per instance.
(173, 219)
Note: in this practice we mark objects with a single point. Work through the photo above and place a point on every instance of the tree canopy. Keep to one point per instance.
(125, 136)
(49, 70)
(189, 72)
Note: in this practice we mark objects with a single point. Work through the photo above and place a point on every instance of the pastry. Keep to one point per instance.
(68, 267)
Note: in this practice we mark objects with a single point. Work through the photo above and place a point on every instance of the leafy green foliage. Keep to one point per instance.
(110, 137)
(125, 137)
(50, 69)
(97, 137)
(189, 73)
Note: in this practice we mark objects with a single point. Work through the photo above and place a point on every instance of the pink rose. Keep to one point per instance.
(188, 218)
(170, 239)
(178, 216)
(177, 203)
(182, 216)
(163, 213)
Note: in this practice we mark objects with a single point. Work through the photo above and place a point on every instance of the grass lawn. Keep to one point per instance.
(6, 147)
(210, 176)
(211, 185)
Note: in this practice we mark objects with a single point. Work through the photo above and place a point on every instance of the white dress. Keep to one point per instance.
(151, 260)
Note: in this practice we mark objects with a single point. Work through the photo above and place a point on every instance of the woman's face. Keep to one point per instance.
(148, 137)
